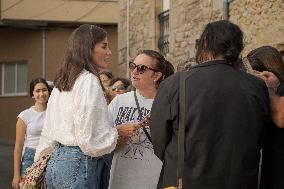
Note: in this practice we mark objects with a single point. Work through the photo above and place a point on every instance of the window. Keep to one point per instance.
(14, 79)
(163, 42)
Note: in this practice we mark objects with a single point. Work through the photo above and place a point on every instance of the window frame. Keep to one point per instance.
(15, 93)
(163, 42)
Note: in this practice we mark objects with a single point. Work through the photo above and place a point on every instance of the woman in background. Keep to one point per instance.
(28, 129)
(118, 86)
(105, 77)
(267, 59)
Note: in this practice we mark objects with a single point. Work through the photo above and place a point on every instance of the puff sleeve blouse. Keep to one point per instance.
(79, 118)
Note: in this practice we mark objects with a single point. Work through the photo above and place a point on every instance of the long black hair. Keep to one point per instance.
(220, 38)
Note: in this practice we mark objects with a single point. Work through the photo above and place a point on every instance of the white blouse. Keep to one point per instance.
(79, 118)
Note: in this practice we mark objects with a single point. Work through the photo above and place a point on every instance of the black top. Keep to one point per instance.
(273, 155)
(227, 111)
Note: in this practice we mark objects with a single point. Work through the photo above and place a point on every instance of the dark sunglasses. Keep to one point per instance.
(140, 68)
(119, 87)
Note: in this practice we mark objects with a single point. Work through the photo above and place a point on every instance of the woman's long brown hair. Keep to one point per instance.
(78, 55)
(267, 58)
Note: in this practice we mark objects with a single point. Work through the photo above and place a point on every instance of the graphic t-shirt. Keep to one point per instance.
(135, 165)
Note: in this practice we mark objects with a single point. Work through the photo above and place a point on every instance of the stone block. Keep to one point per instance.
(179, 37)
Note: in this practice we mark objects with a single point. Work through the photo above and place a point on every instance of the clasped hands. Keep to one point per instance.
(125, 131)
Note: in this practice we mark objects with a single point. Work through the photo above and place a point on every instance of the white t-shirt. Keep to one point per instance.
(79, 118)
(135, 165)
(34, 122)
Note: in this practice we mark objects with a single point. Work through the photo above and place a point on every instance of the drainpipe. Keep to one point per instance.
(127, 39)
(226, 5)
(43, 55)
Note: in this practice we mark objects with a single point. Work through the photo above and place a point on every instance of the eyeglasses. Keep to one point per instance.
(140, 68)
(119, 88)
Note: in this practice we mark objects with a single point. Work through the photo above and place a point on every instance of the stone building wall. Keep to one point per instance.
(260, 20)
(187, 20)
(142, 29)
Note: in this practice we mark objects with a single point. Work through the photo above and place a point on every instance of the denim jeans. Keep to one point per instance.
(27, 159)
(69, 168)
(103, 171)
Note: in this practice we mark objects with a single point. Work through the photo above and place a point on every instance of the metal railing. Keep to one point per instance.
(163, 43)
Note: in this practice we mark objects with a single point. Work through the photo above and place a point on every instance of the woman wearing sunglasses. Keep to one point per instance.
(134, 164)
(118, 86)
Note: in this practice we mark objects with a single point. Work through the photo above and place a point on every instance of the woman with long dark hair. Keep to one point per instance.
(77, 124)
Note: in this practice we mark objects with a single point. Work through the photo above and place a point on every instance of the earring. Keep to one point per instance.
(154, 80)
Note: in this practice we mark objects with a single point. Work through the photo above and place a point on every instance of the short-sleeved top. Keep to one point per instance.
(34, 122)
(135, 165)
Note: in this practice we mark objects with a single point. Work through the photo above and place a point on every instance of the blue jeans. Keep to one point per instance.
(27, 159)
(103, 171)
(69, 168)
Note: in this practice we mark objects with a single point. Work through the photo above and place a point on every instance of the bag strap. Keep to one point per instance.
(140, 114)
(181, 130)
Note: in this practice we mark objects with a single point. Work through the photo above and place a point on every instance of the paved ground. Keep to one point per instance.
(6, 163)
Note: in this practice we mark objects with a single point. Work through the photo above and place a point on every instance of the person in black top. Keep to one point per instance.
(227, 111)
(264, 59)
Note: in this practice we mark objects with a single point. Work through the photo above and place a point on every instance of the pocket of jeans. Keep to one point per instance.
(67, 168)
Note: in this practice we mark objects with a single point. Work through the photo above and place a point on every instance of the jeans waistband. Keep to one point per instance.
(59, 145)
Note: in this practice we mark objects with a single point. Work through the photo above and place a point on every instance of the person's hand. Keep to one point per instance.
(121, 142)
(127, 129)
(16, 181)
(269, 78)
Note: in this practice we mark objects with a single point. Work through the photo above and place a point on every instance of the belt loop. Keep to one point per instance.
(59, 145)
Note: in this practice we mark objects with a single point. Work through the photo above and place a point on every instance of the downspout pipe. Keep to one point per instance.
(43, 52)
(127, 38)
(226, 5)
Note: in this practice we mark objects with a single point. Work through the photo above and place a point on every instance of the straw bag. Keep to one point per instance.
(34, 175)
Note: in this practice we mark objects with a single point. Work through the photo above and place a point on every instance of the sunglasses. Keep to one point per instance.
(140, 68)
(119, 88)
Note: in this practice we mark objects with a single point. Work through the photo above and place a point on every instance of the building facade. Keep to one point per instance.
(173, 26)
(33, 38)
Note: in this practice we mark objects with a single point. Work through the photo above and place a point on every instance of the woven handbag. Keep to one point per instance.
(34, 175)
